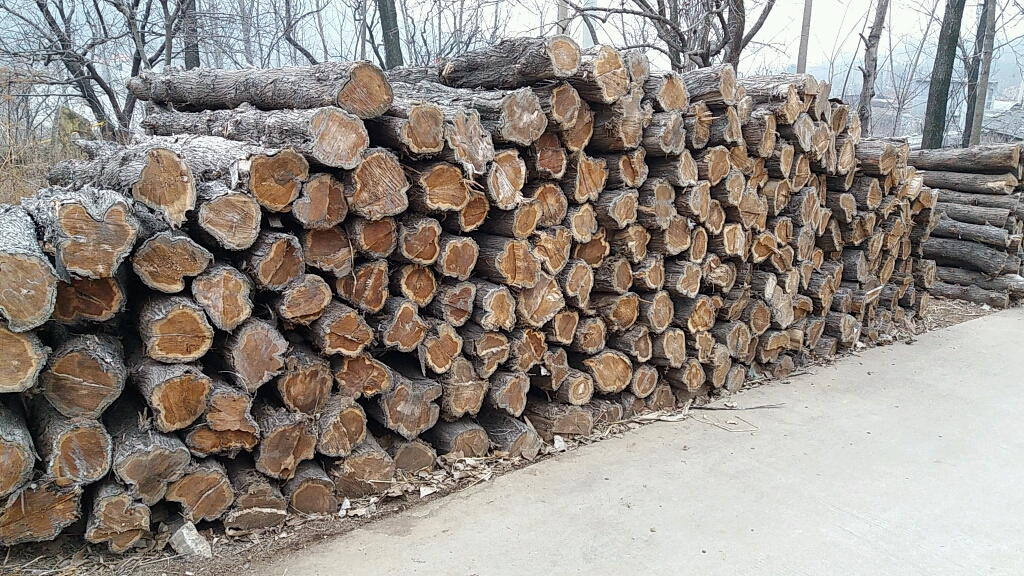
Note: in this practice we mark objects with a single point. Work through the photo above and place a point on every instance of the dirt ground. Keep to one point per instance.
(67, 556)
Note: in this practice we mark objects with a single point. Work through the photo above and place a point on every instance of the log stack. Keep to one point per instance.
(303, 283)
(978, 222)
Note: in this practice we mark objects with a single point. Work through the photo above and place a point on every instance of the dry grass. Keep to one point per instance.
(23, 168)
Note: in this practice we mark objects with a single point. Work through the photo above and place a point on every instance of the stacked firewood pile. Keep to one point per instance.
(305, 281)
(978, 221)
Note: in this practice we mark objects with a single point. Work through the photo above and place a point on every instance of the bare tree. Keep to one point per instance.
(942, 71)
(805, 37)
(977, 73)
(870, 68)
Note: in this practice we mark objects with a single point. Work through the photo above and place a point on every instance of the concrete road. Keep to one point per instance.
(903, 460)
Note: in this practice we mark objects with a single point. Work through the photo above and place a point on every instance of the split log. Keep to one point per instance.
(453, 302)
(254, 354)
(28, 288)
(286, 439)
(258, 502)
(369, 469)
(341, 330)
(311, 490)
(226, 218)
(144, 459)
(174, 329)
(340, 427)
(204, 492)
(510, 435)
(462, 436)
(366, 287)
(440, 347)
(554, 418)
(415, 282)
(306, 381)
(225, 295)
(971, 293)
(602, 75)
(408, 408)
(17, 450)
(326, 135)
(507, 392)
(726, 129)
(274, 261)
(303, 301)
(89, 231)
(39, 513)
(759, 133)
(356, 87)
(176, 393)
(115, 518)
(486, 348)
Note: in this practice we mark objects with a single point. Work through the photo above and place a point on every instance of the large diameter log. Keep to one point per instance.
(302, 301)
(306, 382)
(90, 232)
(311, 490)
(225, 294)
(24, 359)
(28, 287)
(357, 87)
(620, 125)
(486, 348)
(970, 255)
(507, 392)
(274, 261)
(17, 451)
(163, 261)
(409, 407)
(369, 469)
(602, 76)
(321, 204)
(970, 182)
(667, 92)
(204, 492)
(174, 329)
(329, 250)
(462, 390)
(412, 127)
(229, 218)
(985, 234)
(286, 439)
(176, 393)
(971, 293)
(513, 63)
(144, 459)
(715, 85)
(39, 513)
(378, 185)
(116, 519)
(254, 354)
(258, 501)
(1012, 283)
(437, 188)
(399, 325)
(328, 136)
(510, 435)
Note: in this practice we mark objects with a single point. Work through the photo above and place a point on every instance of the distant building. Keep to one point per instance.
(1003, 125)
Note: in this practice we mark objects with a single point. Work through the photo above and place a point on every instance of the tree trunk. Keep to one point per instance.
(942, 72)
(389, 29)
(867, 91)
(356, 87)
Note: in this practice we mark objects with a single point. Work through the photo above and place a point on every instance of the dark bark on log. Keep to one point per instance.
(971, 256)
(513, 63)
(970, 182)
(971, 293)
(510, 435)
(464, 436)
(258, 501)
(286, 439)
(39, 513)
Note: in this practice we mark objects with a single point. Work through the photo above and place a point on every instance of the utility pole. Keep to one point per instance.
(805, 36)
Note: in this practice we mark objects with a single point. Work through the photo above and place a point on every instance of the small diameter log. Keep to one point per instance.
(843, 327)
(576, 137)
(303, 301)
(311, 490)
(408, 408)
(225, 294)
(377, 187)
(520, 222)
(620, 125)
(980, 215)
(39, 513)
(581, 220)
(203, 441)
(457, 256)
(453, 303)
(656, 310)
(556, 418)
(984, 234)
(992, 159)
(360, 376)
(667, 92)
(17, 451)
(144, 459)
(286, 439)
(678, 170)
(340, 427)
(366, 287)
(618, 311)
(537, 305)
(668, 349)
(254, 354)
(552, 247)
(374, 239)
(329, 250)
(275, 179)
(611, 370)
(635, 342)
(590, 336)
(561, 329)
(341, 330)
(689, 379)
(437, 188)
(229, 409)
(115, 518)
(585, 177)
(28, 288)
(226, 218)
(682, 278)
(971, 293)
(274, 261)
(369, 469)
(602, 76)
(306, 381)
(627, 169)
(486, 348)
(526, 349)
(694, 315)
(510, 435)
(507, 392)
(87, 300)
(969, 182)
(631, 243)
(550, 200)
(613, 275)
(204, 492)
(415, 282)
(398, 325)
(576, 281)
(507, 261)
(418, 240)
(176, 393)
(174, 329)
(411, 457)
(258, 502)
(321, 204)
(460, 436)
(715, 85)
(616, 209)
(440, 346)
(89, 231)
(513, 63)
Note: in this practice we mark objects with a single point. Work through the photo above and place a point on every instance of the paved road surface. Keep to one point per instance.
(904, 460)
